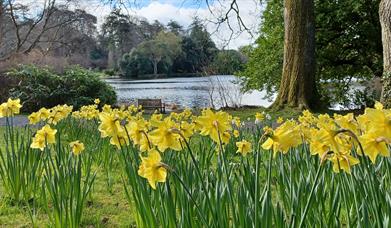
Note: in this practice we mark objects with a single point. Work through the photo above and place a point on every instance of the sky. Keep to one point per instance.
(183, 11)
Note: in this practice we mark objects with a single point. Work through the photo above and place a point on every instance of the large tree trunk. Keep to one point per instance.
(385, 22)
(298, 88)
(1, 24)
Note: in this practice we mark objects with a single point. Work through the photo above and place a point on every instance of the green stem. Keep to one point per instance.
(198, 171)
(256, 189)
(191, 197)
(311, 194)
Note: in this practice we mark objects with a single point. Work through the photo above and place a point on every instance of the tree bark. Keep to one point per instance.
(155, 62)
(385, 22)
(298, 87)
(1, 24)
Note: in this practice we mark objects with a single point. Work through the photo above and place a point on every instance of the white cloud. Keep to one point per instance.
(183, 11)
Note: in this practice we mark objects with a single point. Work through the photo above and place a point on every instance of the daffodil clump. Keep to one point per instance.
(205, 166)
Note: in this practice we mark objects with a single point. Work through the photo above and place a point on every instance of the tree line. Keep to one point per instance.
(59, 34)
(312, 42)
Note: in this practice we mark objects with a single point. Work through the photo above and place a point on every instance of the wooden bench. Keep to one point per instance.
(152, 105)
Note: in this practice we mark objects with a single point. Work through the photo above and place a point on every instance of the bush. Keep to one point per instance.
(42, 87)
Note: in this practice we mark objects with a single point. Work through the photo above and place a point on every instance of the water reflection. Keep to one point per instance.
(191, 92)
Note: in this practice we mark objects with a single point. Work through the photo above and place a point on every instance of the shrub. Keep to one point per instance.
(42, 87)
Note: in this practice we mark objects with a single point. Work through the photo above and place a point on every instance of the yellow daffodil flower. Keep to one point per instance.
(284, 137)
(34, 118)
(244, 147)
(10, 108)
(44, 113)
(137, 130)
(259, 117)
(343, 161)
(280, 120)
(46, 135)
(236, 121)
(213, 124)
(373, 145)
(236, 133)
(164, 136)
(152, 169)
(77, 147)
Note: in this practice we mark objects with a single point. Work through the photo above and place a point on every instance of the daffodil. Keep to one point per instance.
(155, 119)
(214, 124)
(166, 135)
(97, 101)
(44, 136)
(152, 169)
(282, 138)
(58, 113)
(137, 129)
(34, 118)
(373, 145)
(377, 121)
(280, 120)
(44, 113)
(77, 147)
(225, 137)
(236, 133)
(347, 122)
(259, 117)
(10, 108)
(120, 139)
(110, 125)
(378, 105)
(236, 121)
(343, 161)
(187, 129)
(326, 140)
(244, 147)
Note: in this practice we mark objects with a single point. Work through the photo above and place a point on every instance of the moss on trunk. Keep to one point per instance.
(385, 22)
(298, 87)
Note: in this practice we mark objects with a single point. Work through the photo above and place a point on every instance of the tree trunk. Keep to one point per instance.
(1, 25)
(155, 62)
(385, 22)
(298, 87)
(111, 58)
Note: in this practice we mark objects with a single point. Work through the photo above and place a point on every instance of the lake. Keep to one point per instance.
(209, 91)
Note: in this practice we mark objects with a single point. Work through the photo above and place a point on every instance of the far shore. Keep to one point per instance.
(158, 76)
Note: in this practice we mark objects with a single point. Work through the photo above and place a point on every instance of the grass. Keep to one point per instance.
(249, 112)
(104, 208)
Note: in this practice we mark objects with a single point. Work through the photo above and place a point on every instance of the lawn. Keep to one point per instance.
(104, 208)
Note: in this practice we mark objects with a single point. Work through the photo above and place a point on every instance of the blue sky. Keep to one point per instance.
(193, 4)
(177, 3)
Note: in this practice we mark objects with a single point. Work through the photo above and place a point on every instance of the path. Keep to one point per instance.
(19, 121)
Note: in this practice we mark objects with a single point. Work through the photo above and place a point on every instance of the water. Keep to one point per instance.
(200, 92)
